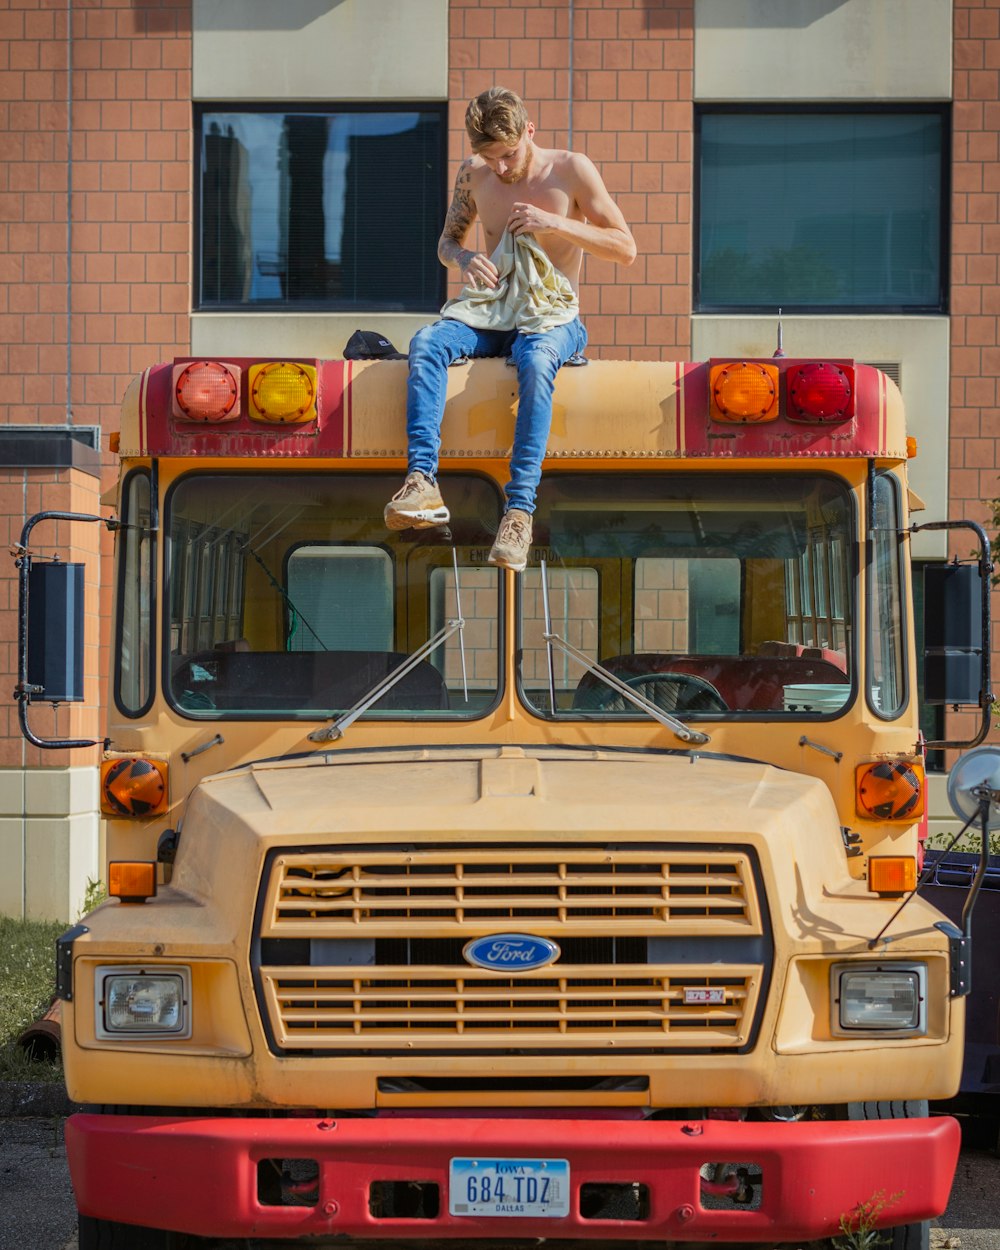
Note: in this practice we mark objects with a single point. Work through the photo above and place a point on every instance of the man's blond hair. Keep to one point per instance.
(496, 116)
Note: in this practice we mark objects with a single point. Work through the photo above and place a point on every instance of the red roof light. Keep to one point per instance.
(821, 392)
(206, 390)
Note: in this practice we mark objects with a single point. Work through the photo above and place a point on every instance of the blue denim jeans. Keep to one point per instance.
(537, 357)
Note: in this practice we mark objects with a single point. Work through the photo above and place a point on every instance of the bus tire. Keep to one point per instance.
(903, 1236)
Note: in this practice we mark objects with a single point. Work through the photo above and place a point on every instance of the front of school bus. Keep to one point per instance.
(554, 905)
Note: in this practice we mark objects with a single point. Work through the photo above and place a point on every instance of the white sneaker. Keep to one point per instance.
(416, 505)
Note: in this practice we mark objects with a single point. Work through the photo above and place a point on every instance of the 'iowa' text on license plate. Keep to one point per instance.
(525, 1187)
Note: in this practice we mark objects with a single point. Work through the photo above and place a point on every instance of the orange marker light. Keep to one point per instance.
(133, 787)
(892, 874)
(283, 392)
(890, 790)
(744, 392)
(206, 390)
(132, 882)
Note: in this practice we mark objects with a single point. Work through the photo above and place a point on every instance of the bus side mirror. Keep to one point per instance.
(954, 634)
(50, 629)
(54, 613)
(957, 631)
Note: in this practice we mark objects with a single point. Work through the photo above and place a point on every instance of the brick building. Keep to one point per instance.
(150, 206)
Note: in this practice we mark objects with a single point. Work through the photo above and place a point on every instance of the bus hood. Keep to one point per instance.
(511, 795)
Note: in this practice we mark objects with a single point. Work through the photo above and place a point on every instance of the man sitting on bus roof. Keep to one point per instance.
(517, 190)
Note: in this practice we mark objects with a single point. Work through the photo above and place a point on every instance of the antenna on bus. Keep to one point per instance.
(779, 350)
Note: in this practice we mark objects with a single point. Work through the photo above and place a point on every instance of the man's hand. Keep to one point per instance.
(478, 270)
(527, 219)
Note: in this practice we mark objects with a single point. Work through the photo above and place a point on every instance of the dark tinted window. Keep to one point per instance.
(826, 210)
(328, 209)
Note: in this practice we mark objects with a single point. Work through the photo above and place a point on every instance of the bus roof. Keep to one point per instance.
(608, 409)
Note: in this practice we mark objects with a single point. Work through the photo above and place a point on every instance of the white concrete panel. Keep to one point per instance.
(919, 345)
(49, 841)
(300, 50)
(60, 858)
(61, 791)
(322, 335)
(852, 50)
(12, 792)
(12, 868)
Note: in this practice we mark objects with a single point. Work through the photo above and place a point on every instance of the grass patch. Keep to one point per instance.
(27, 981)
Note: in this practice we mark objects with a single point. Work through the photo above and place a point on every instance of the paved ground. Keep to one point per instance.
(35, 1196)
(37, 1211)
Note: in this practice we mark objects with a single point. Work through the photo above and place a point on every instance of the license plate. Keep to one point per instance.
(529, 1188)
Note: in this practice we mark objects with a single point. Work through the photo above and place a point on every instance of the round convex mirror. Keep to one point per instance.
(976, 769)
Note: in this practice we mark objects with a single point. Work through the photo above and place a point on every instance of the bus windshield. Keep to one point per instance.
(286, 596)
(706, 593)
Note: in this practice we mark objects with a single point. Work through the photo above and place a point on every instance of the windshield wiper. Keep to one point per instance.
(684, 732)
(330, 733)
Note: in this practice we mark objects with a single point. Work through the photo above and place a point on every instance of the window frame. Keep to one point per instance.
(852, 605)
(333, 108)
(909, 108)
(874, 585)
(151, 558)
(165, 607)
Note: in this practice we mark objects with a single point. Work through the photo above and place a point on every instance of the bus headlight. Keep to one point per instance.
(878, 1000)
(136, 1002)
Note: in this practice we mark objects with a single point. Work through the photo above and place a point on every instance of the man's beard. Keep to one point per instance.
(515, 175)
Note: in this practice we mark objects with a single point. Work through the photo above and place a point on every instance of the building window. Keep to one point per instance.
(321, 209)
(816, 210)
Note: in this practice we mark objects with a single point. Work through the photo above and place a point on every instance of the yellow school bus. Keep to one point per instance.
(453, 904)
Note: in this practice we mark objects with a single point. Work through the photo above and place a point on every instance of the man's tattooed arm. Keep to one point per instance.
(458, 222)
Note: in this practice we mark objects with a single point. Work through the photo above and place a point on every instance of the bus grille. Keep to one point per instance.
(363, 950)
(594, 889)
(412, 1009)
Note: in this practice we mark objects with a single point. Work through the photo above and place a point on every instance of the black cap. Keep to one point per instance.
(370, 345)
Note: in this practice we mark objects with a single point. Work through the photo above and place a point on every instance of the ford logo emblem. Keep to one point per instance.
(510, 952)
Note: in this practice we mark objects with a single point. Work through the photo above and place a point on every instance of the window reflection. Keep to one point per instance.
(701, 595)
(295, 209)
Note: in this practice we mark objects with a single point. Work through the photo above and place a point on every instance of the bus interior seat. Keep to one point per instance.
(744, 682)
(793, 649)
(670, 691)
(320, 680)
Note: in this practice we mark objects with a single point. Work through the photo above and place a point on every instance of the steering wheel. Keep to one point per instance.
(671, 692)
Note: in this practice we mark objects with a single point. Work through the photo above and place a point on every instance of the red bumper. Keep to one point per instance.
(200, 1175)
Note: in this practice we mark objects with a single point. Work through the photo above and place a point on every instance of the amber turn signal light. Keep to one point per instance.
(743, 391)
(892, 874)
(890, 790)
(134, 786)
(132, 882)
(283, 392)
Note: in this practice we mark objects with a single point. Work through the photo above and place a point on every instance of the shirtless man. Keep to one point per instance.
(560, 199)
